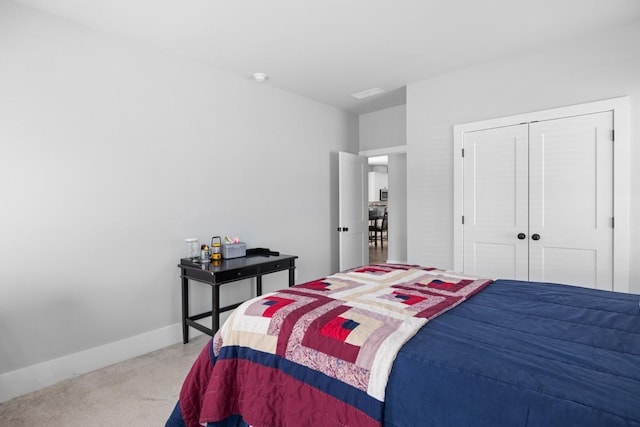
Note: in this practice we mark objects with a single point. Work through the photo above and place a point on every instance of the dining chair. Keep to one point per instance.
(378, 230)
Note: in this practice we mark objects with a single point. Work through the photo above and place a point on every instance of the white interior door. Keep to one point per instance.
(571, 201)
(538, 201)
(579, 183)
(495, 202)
(353, 214)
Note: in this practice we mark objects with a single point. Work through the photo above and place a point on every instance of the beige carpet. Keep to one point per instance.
(137, 392)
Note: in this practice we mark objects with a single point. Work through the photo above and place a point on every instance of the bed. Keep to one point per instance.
(465, 351)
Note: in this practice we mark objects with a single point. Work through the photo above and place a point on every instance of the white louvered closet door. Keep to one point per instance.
(496, 202)
(571, 200)
(538, 201)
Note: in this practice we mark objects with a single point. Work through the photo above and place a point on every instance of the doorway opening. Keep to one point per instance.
(378, 199)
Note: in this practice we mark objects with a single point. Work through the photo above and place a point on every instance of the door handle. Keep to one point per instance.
(522, 236)
(535, 236)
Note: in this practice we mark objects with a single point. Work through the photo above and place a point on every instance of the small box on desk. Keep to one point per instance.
(234, 250)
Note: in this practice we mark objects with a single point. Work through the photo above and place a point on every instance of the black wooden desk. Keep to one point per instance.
(227, 271)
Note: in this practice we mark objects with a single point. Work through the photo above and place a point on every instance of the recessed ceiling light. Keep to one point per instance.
(367, 93)
(260, 77)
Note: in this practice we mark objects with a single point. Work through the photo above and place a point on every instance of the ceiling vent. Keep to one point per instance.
(367, 93)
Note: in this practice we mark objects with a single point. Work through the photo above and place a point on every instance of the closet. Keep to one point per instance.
(537, 200)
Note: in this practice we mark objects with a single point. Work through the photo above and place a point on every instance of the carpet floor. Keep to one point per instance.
(138, 392)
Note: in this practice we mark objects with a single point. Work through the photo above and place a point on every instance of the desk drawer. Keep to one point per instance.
(198, 274)
(275, 266)
(231, 275)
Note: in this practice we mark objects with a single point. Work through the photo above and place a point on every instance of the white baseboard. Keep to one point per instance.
(35, 377)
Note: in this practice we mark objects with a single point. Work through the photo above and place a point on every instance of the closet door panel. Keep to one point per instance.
(571, 205)
(495, 202)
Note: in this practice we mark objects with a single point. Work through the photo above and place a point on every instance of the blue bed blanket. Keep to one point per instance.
(523, 354)
(519, 354)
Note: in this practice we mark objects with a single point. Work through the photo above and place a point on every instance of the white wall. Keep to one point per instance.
(598, 67)
(377, 181)
(110, 156)
(383, 129)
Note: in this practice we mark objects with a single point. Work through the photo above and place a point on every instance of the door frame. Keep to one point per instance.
(621, 175)
(396, 237)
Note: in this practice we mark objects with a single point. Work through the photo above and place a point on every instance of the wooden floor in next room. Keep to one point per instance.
(377, 254)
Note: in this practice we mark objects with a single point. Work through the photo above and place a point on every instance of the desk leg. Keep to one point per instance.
(258, 286)
(215, 309)
(292, 271)
(185, 308)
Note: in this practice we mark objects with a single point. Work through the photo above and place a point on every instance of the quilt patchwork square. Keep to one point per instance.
(347, 333)
(268, 306)
(451, 286)
(329, 286)
(440, 282)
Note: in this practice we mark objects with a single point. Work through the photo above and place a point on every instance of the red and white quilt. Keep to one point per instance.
(333, 340)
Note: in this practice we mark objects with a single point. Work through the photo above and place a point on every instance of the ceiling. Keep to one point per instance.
(329, 49)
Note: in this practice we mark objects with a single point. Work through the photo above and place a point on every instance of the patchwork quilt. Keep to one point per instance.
(319, 353)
